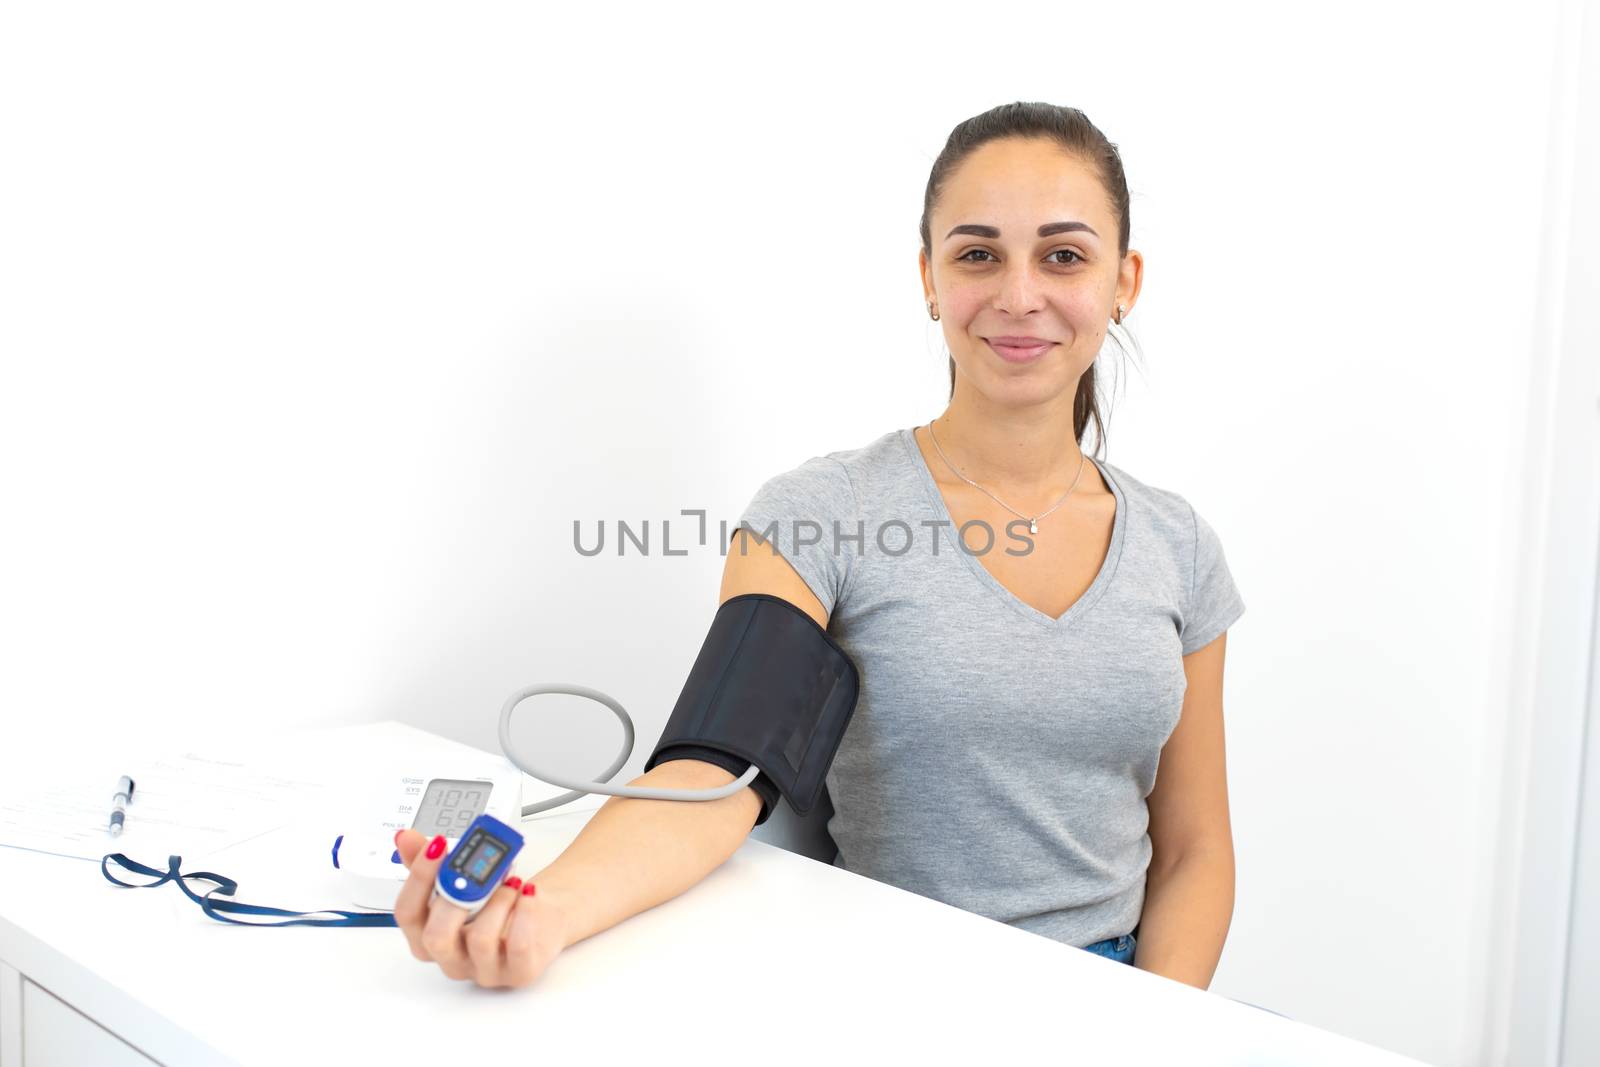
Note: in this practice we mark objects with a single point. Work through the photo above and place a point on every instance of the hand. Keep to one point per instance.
(507, 943)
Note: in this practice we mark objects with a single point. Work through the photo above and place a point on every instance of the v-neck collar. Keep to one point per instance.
(1083, 603)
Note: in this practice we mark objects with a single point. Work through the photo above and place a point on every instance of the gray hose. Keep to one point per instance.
(580, 789)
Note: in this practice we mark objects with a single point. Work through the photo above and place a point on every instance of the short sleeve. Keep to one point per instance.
(809, 515)
(1214, 603)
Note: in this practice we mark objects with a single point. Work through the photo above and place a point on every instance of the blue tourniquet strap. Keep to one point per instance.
(228, 887)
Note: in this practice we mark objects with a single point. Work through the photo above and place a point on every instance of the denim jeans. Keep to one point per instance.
(1115, 948)
(1122, 948)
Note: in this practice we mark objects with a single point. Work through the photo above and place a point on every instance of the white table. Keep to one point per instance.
(774, 958)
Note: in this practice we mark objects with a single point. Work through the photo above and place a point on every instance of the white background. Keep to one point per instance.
(322, 324)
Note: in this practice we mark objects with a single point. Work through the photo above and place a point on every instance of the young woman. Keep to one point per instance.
(1037, 632)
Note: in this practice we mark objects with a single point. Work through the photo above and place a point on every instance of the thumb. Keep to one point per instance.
(408, 843)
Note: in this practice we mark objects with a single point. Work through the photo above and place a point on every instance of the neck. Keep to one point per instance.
(1029, 449)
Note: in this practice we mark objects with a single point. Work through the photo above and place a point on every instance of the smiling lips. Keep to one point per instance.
(1019, 349)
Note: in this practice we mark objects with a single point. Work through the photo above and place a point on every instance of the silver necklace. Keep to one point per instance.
(1033, 523)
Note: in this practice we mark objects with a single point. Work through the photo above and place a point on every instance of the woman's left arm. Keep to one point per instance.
(1188, 897)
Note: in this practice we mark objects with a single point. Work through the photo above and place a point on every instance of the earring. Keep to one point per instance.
(934, 315)
(1119, 314)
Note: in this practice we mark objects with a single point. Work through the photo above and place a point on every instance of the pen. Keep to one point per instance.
(119, 800)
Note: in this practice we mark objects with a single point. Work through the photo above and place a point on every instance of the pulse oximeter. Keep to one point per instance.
(475, 868)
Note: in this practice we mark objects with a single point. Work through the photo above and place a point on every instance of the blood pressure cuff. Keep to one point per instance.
(770, 687)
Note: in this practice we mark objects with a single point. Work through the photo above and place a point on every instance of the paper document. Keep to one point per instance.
(191, 804)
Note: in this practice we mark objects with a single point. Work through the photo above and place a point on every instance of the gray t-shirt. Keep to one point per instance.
(998, 759)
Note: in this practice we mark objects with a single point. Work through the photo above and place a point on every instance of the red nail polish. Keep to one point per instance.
(527, 890)
(436, 847)
(514, 882)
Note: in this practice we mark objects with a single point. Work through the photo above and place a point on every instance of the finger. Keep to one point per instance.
(408, 843)
(442, 930)
(485, 933)
(411, 904)
(530, 941)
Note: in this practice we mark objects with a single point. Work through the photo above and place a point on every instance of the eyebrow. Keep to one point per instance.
(978, 230)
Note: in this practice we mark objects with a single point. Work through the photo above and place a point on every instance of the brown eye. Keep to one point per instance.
(984, 251)
(1067, 251)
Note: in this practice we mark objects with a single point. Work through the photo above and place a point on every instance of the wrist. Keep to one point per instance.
(554, 907)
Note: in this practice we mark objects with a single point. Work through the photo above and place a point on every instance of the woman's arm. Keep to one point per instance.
(1188, 901)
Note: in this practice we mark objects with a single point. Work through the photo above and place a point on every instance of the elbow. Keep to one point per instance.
(1212, 852)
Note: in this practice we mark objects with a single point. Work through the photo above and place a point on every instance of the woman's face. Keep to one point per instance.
(993, 274)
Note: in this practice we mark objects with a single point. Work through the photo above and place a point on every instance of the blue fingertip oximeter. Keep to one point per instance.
(475, 868)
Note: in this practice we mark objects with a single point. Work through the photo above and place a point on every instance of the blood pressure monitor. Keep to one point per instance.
(447, 801)
(762, 653)
(473, 869)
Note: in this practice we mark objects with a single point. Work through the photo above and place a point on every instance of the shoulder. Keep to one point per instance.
(1172, 520)
(1165, 512)
(833, 478)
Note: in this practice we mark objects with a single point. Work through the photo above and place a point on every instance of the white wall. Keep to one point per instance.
(323, 323)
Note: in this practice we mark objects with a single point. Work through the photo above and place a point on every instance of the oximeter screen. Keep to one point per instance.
(478, 855)
(449, 806)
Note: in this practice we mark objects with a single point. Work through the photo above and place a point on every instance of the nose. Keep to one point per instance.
(1020, 290)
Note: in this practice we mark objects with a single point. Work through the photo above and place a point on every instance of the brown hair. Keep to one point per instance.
(1072, 130)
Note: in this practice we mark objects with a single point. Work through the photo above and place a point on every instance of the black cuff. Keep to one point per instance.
(734, 765)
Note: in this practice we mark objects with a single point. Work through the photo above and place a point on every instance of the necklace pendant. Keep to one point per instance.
(1033, 525)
